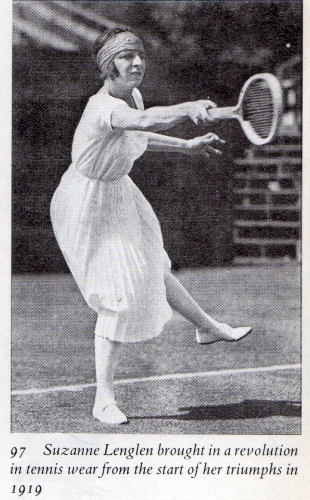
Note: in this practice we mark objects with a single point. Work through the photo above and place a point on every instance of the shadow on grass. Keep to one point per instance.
(237, 411)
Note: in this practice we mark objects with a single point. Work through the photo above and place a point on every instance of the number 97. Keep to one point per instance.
(14, 451)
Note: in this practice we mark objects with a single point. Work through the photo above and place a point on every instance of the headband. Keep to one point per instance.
(122, 41)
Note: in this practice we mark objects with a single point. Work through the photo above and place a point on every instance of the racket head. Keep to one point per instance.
(259, 109)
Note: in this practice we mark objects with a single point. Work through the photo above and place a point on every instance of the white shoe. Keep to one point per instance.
(110, 415)
(223, 333)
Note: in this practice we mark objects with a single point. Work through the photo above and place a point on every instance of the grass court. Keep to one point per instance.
(169, 385)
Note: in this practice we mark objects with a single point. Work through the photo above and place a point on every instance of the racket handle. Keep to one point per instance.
(222, 113)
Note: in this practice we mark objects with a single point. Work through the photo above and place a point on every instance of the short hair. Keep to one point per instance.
(101, 41)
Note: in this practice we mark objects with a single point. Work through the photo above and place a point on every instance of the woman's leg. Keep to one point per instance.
(106, 357)
(182, 302)
(107, 353)
(208, 329)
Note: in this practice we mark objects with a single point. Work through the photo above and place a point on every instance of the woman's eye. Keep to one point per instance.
(129, 56)
(126, 56)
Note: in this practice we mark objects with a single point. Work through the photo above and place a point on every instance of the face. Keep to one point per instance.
(130, 65)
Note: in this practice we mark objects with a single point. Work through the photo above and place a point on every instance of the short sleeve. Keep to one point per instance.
(101, 107)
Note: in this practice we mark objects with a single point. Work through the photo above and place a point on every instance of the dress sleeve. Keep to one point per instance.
(101, 107)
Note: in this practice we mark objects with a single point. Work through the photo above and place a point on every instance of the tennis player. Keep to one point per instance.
(106, 229)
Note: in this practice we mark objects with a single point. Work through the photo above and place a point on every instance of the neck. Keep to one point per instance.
(116, 89)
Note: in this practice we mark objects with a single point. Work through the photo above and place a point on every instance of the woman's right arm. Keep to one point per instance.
(161, 117)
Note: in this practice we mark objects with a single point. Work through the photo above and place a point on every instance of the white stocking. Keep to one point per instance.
(182, 302)
(106, 359)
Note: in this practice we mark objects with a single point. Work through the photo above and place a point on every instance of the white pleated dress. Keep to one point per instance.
(107, 230)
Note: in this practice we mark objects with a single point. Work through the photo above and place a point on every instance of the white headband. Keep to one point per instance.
(122, 41)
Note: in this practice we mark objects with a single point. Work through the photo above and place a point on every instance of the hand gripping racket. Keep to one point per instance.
(259, 108)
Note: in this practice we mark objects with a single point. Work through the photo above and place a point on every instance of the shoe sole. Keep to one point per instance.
(110, 423)
(224, 340)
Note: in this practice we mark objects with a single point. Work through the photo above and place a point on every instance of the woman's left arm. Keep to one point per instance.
(198, 146)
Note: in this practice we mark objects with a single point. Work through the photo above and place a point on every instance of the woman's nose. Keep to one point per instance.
(137, 60)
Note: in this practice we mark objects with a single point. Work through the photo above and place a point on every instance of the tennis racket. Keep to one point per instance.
(259, 108)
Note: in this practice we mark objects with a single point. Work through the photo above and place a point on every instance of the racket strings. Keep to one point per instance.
(258, 108)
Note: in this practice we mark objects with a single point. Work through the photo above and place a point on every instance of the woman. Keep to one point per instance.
(106, 229)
